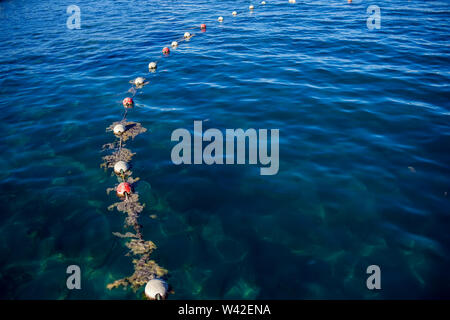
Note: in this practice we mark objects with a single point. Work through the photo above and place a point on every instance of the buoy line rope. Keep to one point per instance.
(146, 271)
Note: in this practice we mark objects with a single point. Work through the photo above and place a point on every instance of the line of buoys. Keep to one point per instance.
(145, 268)
(146, 271)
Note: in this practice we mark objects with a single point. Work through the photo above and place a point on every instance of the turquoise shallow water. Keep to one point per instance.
(364, 147)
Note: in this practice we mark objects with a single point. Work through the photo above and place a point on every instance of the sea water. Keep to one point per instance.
(364, 143)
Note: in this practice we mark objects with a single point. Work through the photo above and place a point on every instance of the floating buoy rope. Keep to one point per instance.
(146, 271)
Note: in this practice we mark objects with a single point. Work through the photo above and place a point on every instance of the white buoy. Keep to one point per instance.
(119, 129)
(139, 81)
(174, 44)
(220, 19)
(156, 287)
(234, 13)
(187, 35)
(263, 2)
(291, 1)
(120, 167)
(152, 66)
(251, 7)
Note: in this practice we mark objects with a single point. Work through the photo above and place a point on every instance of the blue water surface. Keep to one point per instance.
(364, 147)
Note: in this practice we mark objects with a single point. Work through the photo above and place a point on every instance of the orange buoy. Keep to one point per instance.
(166, 50)
(203, 26)
(123, 188)
(128, 103)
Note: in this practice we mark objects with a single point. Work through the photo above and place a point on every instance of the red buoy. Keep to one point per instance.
(203, 26)
(128, 103)
(166, 50)
(122, 188)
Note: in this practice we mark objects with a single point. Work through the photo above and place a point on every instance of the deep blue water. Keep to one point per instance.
(364, 147)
